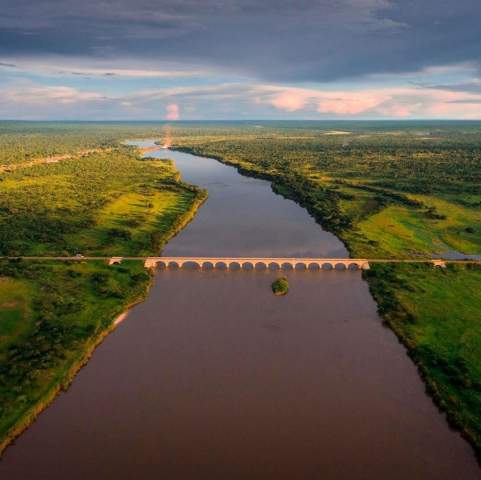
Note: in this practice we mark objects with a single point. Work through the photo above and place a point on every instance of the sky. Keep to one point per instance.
(233, 59)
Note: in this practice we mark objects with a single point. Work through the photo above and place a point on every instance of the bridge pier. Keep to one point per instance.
(115, 260)
(439, 263)
(150, 263)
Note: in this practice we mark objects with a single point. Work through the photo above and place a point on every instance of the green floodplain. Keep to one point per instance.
(386, 189)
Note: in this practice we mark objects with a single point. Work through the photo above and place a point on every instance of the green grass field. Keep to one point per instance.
(400, 231)
(15, 309)
(107, 203)
(130, 224)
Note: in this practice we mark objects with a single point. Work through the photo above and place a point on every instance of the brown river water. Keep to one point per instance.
(213, 377)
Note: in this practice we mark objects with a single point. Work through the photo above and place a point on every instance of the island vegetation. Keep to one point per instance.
(107, 201)
(280, 286)
(388, 190)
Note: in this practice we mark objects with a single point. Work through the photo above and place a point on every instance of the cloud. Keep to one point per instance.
(172, 112)
(349, 104)
(390, 102)
(290, 100)
(237, 100)
(55, 66)
(125, 72)
(43, 95)
(270, 41)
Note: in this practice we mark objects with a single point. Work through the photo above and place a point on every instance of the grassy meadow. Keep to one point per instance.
(106, 203)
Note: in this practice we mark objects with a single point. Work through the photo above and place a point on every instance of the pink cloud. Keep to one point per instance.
(290, 100)
(350, 104)
(397, 110)
(172, 112)
(456, 110)
(337, 102)
(400, 102)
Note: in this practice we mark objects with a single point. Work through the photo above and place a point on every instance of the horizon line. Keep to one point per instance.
(421, 119)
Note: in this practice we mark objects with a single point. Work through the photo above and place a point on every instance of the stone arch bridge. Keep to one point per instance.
(254, 262)
(278, 262)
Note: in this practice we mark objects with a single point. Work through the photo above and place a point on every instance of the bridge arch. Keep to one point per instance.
(260, 266)
(191, 264)
(115, 260)
(247, 265)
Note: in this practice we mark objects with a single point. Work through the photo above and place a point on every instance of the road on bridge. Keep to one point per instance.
(280, 262)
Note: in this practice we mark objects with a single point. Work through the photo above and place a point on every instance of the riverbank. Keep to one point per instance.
(67, 337)
(451, 373)
(435, 315)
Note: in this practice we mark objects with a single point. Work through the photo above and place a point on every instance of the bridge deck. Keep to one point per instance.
(363, 263)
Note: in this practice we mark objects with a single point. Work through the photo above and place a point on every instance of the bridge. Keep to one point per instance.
(255, 262)
(283, 262)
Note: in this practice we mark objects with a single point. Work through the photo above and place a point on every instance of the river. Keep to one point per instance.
(213, 377)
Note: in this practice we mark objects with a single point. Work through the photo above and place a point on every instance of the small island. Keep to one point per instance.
(280, 286)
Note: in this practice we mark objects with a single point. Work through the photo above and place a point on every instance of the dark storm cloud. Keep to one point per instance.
(468, 87)
(275, 40)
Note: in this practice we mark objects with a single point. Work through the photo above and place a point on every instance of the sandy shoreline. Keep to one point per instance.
(121, 318)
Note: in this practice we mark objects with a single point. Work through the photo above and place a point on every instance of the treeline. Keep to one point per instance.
(21, 142)
(60, 208)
